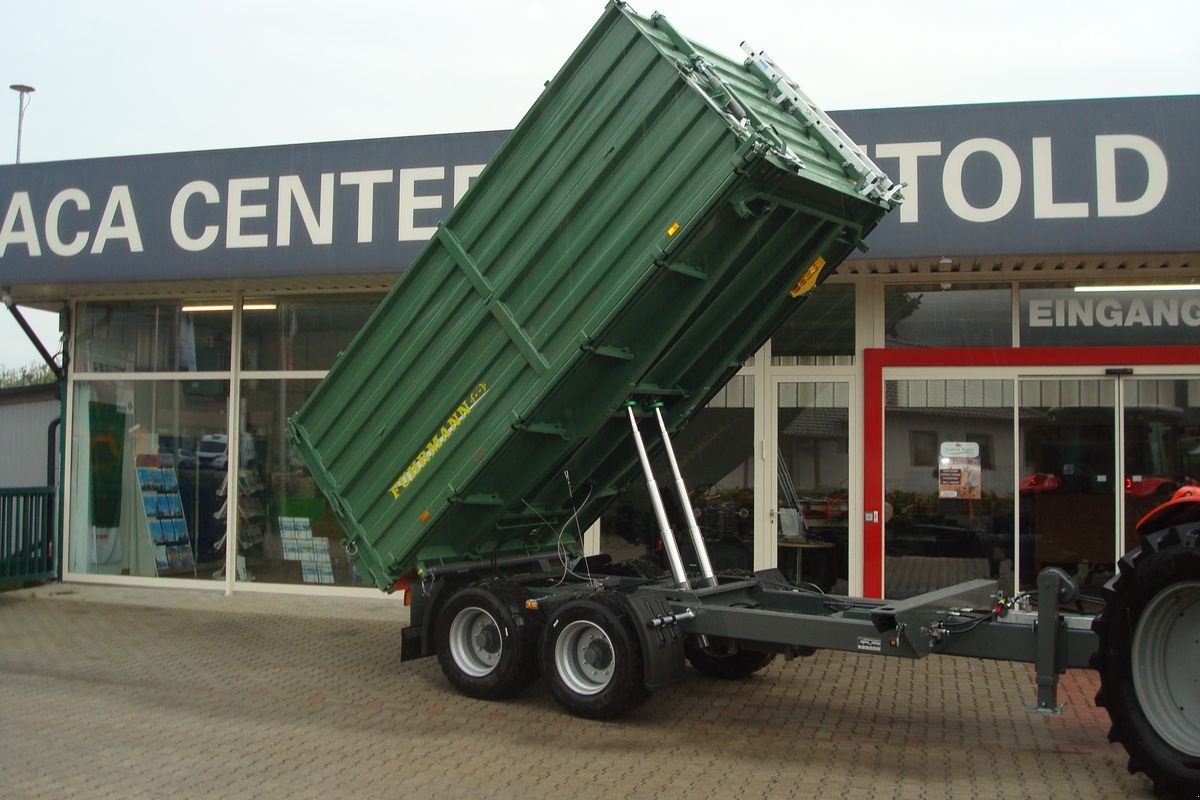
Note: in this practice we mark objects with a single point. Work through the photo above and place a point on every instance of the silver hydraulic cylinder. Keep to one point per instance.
(685, 503)
(660, 514)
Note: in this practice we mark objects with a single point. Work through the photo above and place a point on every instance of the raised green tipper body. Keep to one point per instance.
(654, 217)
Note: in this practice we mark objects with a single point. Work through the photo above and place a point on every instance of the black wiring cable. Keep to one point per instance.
(965, 625)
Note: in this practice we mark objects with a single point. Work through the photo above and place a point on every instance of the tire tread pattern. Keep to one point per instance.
(518, 666)
(627, 688)
(1164, 557)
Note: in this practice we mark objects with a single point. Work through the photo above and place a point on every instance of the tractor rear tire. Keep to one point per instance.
(1149, 648)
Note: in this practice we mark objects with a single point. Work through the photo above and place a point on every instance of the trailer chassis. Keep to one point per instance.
(605, 636)
(763, 613)
(756, 614)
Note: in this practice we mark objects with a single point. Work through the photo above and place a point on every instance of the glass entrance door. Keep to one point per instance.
(1069, 478)
(1160, 426)
(948, 483)
(1097, 455)
(1080, 449)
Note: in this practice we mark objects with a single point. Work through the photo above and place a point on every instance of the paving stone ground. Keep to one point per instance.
(150, 693)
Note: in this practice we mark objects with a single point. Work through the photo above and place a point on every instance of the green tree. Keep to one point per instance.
(32, 374)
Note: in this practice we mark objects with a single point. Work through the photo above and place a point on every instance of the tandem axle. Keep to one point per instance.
(605, 634)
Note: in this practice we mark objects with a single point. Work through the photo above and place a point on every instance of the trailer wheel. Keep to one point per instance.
(724, 660)
(592, 659)
(1149, 647)
(486, 646)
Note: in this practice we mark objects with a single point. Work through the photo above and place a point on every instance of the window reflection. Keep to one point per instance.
(948, 315)
(949, 477)
(301, 333)
(286, 531)
(155, 336)
(820, 332)
(144, 501)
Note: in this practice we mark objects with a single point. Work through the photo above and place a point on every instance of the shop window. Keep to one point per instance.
(1067, 315)
(821, 330)
(948, 315)
(301, 333)
(154, 336)
(148, 460)
(286, 531)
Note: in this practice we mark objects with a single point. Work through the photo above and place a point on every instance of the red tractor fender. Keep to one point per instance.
(1184, 506)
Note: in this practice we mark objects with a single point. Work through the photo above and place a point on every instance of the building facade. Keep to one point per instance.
(1007, 379)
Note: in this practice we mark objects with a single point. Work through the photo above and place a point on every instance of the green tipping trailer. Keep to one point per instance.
(657, 214)
(654, 217)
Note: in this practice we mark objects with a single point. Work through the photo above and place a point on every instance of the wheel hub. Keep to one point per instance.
(584, 657)
(597, 655)
(475, 642)
(486, 638)
(1165, 652)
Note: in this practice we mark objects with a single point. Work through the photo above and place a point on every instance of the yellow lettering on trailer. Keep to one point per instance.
(437, 441)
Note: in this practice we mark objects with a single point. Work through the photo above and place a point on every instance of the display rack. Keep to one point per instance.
(162, 511)
(251, 519)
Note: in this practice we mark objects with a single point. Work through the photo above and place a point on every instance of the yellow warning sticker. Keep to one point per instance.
(809, 279)
(437, 441)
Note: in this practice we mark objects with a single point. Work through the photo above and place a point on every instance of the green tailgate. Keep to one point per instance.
(640, 233)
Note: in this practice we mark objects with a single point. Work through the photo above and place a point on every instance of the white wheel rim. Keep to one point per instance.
(475, 642)
(584, 657)
(1165, 654)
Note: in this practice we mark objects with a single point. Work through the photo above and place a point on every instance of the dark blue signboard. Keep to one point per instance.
(1080, 176)
(1086, 176)
(314, 209)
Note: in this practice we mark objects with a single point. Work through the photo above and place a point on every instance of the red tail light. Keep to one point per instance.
(405, 583)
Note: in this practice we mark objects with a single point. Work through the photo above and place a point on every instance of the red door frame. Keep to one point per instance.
(876, 360)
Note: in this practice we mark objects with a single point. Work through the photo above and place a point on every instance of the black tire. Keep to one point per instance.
(592, 659)
(486, 642)
(1149, 682)
(725, 660)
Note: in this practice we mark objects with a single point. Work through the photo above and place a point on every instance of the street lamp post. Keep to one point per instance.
(23, 93)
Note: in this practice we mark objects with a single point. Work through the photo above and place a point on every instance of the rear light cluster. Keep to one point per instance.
(1042, 481)
(405, 583)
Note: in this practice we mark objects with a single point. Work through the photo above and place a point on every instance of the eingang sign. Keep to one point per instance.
(1060, 316)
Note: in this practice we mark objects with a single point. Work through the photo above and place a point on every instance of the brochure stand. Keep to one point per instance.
(162, 512)
(250, 518)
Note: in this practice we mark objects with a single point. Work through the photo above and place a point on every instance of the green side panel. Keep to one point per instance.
(631, 239)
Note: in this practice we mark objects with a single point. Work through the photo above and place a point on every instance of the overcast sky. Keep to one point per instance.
(120, 77)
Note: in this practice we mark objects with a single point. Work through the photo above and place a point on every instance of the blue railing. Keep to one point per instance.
(26, 535)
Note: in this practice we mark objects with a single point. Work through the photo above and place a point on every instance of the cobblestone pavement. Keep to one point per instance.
(113, 692)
